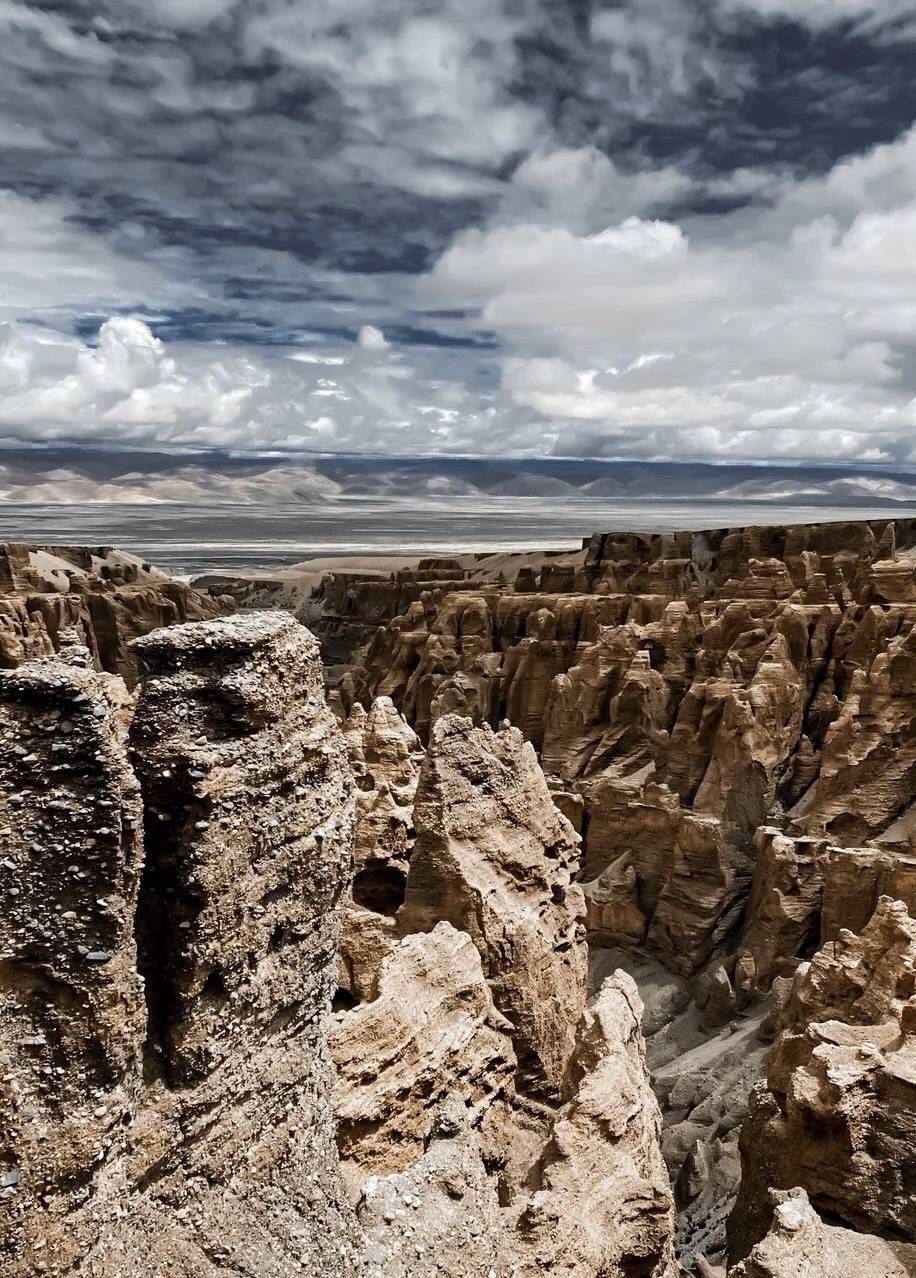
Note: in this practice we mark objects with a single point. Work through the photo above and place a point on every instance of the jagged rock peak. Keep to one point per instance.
(95, 596)
(495, 858)
(800, 1244)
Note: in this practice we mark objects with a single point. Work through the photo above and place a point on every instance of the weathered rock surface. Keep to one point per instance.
(800, 1245)
(106, 596)
(494, 857)
(431, 1034)
(837, 1116)
(594, 1200)
(167, 1086)
(486, 1116)
(726, 721)
(599, 1201)
(385, 756)
(441, 1217)
(72, 1015)
(687, 693)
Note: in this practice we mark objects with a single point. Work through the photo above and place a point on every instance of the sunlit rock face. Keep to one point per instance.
(474, 1084)
(685, 693)
(495, 857)
(834, 1115)
(799, 1242)
(608, 862)
(93, 595)
(727, 720)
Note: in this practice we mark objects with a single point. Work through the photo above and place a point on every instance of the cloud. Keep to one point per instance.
(646, 226)
(803, 321)
(126, 383)
(371, 338)
(891, 19)
(425, 91)
(49, 265)
(130, 388)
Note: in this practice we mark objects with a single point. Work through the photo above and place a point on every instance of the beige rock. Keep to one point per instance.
(836, 1115)
(783, 913)
(854, 881)
(194, 1133)
(740, 678)
(432, 1033)
(494, 857)
(868, 771)
(108, 596)
(385, 755)
(72, 1015)
(800, 1245)
(441, 1217)
(600, 1201)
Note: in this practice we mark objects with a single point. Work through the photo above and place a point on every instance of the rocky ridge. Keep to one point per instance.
(475, 1086)
(169, 924)
(92, 595)
(728, 720)
(642, 823)
(167, 1083)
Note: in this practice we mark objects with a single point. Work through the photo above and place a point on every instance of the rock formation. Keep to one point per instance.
(686, 693)
(599, 1201)
(72, 1014)
(432, 1033)
(483, 1110)
(799, 1243)
(106, 596)
(727, 718)
(495, 858)
(385, 756)
(169, 956)
(835, 1115)
(623, 845)
(166, 1082)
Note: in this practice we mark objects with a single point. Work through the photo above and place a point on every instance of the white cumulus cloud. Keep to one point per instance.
(799, 321)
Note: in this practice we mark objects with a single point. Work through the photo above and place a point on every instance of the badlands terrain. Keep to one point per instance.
(498, 915)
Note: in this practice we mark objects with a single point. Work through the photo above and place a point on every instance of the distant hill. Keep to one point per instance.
(67, 475)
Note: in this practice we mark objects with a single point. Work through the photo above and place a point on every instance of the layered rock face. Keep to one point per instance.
(105, 596)
(385, 756)
(495, 858)
(799, 1243)
(487, 1116)
(625, 862)
(686, 694)
(72, 1014)
(348, 608)
(166, 1084)
(728, 719)
(171, 917)
(836, 1114)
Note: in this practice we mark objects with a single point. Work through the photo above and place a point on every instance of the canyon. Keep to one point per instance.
(549, 913)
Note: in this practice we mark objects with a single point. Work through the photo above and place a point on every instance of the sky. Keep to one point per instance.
(616, 228)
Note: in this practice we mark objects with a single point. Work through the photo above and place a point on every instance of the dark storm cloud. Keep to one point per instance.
(219, 126)
(259, 175)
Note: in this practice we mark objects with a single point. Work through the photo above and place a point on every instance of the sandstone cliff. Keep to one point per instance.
(474, 1085)
(686, 693)
(727, 719)
(610, 828)
(169, 947)
(799, 1243)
